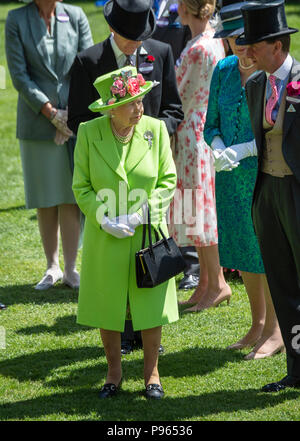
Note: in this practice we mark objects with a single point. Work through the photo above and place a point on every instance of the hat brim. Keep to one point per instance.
(150, 27)
(99, 106)
(228, 33)
(243, 40)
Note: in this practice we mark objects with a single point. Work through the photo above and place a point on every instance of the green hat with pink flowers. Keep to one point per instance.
(119, 87)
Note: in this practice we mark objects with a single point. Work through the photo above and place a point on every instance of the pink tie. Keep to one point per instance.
(271, 103)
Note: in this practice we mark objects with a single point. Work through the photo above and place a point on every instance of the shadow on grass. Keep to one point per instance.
(79, 386)
(24, 294)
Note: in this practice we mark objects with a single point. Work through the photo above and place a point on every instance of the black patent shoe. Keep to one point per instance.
(109, 390)
(288, 381)
(189, 282)
(126, 347)
(161, 349)
(2, 306)
(154, 391)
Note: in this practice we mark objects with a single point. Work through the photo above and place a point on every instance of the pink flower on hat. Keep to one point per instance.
(141, 79)
(133, 86)
(118, 87)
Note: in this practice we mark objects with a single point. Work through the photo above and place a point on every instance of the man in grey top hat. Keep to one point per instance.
(273, 95)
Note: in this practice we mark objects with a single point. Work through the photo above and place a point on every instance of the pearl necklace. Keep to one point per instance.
(245, 67)
(120, 138)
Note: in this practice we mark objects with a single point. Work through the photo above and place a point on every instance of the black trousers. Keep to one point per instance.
(275, 206)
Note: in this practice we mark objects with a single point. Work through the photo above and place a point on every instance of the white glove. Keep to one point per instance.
(131, 220)
(118, 230)
(217, 144)
(60, 122)
(230, 157)
(60, 138)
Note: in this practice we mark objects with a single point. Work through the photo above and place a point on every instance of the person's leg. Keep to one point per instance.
(112, 347)
(217, 289)
(190, 279)
(69, 221)
(254, 286)
(203, 281)
(151, 341)
(270, 341)
(279, 239)
(49, 231)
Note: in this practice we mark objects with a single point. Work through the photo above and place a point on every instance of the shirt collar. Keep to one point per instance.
(284, 70)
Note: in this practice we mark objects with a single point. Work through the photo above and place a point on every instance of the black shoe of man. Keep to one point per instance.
(288, 381)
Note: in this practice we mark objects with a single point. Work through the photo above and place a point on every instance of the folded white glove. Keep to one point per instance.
(60, 138)
(60, 122)
(230, 157)
(224, 161)
(131, 220)
(218, 144)
(118, 230)
(243, 150)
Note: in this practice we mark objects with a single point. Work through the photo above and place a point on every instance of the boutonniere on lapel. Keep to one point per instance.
(293, 93)
(148, 136)
(147, 66)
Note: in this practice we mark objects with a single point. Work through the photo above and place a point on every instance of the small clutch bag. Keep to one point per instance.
(158, 262)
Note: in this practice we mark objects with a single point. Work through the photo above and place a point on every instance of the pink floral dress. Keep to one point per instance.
(193, 219)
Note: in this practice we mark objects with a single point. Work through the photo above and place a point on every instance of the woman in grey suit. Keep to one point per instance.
(42, 40)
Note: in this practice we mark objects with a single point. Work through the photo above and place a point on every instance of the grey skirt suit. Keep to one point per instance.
(39, 62)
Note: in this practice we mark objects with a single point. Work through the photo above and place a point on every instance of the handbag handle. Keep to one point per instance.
(150, 237)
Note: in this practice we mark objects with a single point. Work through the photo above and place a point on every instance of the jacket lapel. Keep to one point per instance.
(38, 34)
(61, 37)
(107, 62)
(290, 116)
(257, 104)
(139, 148)
(107, 148)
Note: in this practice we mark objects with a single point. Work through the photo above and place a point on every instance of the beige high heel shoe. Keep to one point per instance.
(215, 303)
(257, 355)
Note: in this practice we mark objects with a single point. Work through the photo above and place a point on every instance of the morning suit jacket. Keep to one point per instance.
(255, 91)
(29, 65)
(162, 102)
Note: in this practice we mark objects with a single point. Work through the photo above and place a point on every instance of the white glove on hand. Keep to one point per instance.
(131, 220)
(217, 144)
(231, 156)
(60, 122)
(60, 138)
(224, 161)
(118, 230)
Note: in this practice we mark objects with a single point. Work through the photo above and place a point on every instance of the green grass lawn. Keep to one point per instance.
(52, 368)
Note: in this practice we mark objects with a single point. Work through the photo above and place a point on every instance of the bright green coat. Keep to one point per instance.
(108, 278)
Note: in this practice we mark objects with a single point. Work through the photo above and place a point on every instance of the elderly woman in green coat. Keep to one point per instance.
(122, 161)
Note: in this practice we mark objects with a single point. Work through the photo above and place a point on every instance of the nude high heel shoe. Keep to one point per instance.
(257, 355)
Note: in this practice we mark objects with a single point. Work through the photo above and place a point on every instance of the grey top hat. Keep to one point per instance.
(263, 21)
(232, 22)
(132, 19)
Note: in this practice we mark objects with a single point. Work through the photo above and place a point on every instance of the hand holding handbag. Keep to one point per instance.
(158, 262)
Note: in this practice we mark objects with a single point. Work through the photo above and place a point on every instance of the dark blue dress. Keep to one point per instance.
(228, 117)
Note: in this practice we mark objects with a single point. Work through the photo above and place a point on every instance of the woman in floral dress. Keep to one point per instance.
(193, 211)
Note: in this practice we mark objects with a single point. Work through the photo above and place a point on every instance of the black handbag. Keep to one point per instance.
(158, 262)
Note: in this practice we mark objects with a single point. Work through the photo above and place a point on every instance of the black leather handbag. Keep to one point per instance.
(158, 262)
